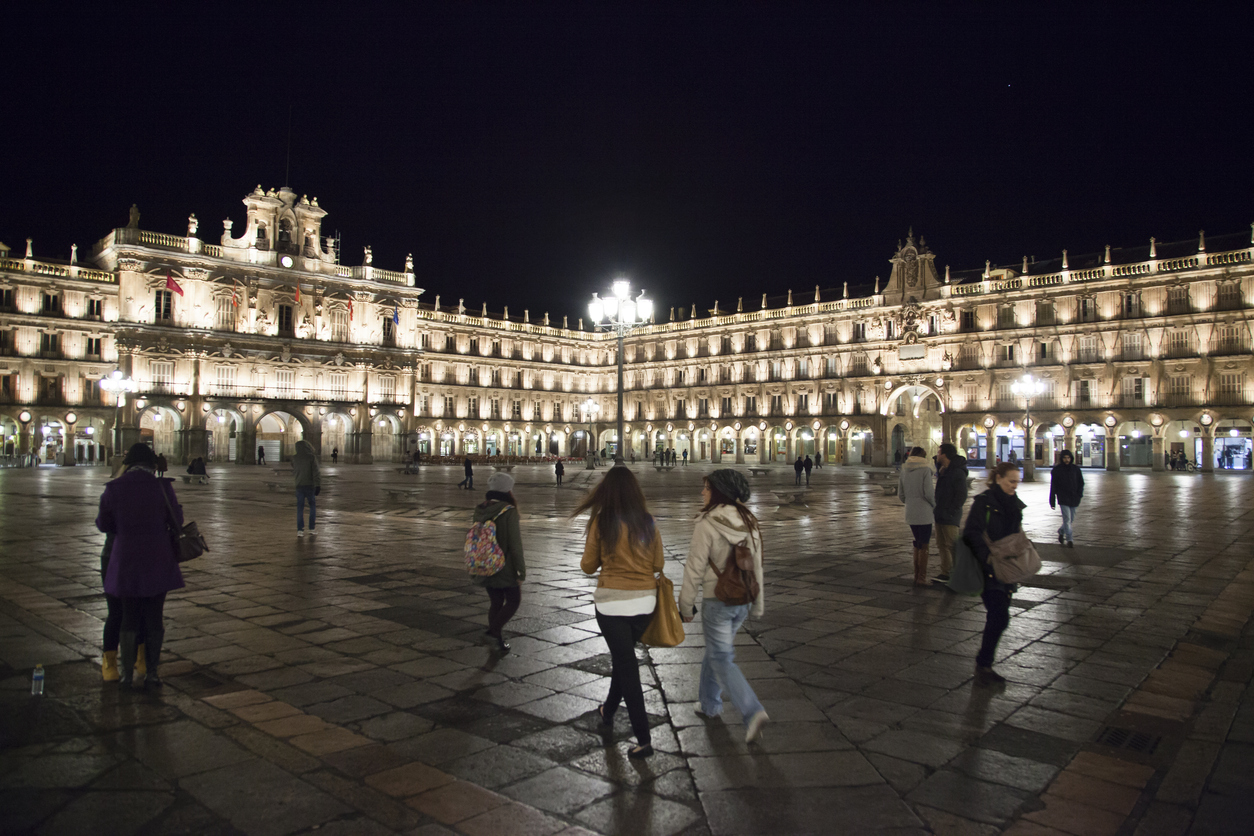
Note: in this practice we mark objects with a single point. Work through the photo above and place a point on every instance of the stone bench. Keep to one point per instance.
(402, 494)
(789, 497)
(759, 471)
(195, 479)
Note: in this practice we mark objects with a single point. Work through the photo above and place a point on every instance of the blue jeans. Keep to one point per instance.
(1068, 516)
(306, 492)
(718, 668)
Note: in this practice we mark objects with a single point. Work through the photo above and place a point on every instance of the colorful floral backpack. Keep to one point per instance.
(483, 553)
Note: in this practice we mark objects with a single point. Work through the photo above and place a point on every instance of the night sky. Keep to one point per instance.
(526, 154)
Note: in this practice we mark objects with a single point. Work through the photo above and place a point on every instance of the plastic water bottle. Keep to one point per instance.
(37, 681)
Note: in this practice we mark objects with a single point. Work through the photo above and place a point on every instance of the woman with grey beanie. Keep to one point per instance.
(723, 524)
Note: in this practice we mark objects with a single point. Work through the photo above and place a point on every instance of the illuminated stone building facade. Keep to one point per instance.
(265, 337)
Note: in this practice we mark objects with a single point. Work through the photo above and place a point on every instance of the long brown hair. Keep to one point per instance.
(615, 501)
(718, 498)
(1000, 472)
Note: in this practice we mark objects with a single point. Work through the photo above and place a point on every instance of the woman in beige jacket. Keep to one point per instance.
(723, 523)
(624, 546)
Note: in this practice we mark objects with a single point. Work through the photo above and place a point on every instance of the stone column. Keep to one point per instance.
(69, 452)
(194, 443)
(246, 442)
(1112, 450)
(1156, 458)
(740, 449)
(1029, 453)
(1207, 464)
(24, 439)
(363, 437)
(990, 447)
(1047, 457)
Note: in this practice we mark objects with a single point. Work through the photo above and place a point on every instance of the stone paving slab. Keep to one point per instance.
(339, 684)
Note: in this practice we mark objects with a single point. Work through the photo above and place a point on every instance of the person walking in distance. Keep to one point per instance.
(685, 458)
(1066, 488)
(818, 460)
(505, 587)
(308, 486)
(138, 509)
(798, 466)
(951, 495)
(724, 522)
(261, 455)
(469, 481)
(624, 546)
(998, 513)
(808, 465)
(162, 466)
(335, 455)
(559, 470)
(916, 489)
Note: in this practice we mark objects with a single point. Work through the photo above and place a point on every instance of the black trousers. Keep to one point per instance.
(997, 606)
(113, 624)
(504, 603)
(143, 616)
(621, 633)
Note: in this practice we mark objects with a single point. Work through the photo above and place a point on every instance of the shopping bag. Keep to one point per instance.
(666, 628)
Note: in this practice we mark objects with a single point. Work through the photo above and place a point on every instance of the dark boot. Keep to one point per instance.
(152, 649)
(126, 658)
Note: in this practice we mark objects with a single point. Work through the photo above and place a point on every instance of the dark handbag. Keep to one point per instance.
(737, 584)
(189, 543)
(967, 576)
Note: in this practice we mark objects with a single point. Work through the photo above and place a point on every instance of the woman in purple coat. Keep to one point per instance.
(142, 566)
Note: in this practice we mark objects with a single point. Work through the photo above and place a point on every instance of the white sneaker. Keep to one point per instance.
(313, 532)
(755, 726)
(300, 533)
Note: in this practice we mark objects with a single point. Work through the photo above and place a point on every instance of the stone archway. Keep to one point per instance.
(159, 426)
(277, 431)
(385, 437)
(223, 428)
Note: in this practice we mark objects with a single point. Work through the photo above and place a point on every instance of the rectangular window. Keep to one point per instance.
(339, 385)
(970, 394)
(285, 320)
(1132, 347)
(93, 346)
(726, 409)
(777, 404)
(831, 402)
(225, 318)
(472, 407)
(162, 375)
(95, 308)
(1008, 353)
(859, 332)
(1230, 296)
(536, 412)
(1084, 393)
(1006, 317)
(1231, 388)
(163, 307)
(703, 408)
(726, 345)
(474, 345)
(6, 299)
(389, 331)
(751, 342)
(681, 408)
(285, 381)
(751, 405)
(516, 413)
(1088, 309)
(1180, 344)
(968, 320)
(387, 389)
(49, 343)
(50, 390)
(777, 372)
(224, 380)
(1087, 350)
(494, 408)
(803, 404)
(831, 366)
(1130, 304)
(339, 325)
(1178, 300)
(803, 368)
(448, 406)
(1133, 391)
(1043, 353)
(557, 411)
(51, 304)
(424, 406)
(701, 375)
(890, 330)
(1044, 312)
(92, 393)
(858, 365)
(450, 345)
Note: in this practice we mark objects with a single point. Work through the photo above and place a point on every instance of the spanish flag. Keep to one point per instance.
(170, 284)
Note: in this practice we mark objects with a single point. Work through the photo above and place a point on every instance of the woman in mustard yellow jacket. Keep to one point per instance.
(624, 546)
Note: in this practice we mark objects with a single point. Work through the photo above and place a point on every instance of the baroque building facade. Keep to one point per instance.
(249, 344)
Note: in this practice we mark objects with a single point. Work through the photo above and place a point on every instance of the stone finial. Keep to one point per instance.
(436, 307)
(947, 273)
(764, 301)
(790, 297)
(715, 312)
(672, 313)
(565, 319)
(485, 311)
(693, 315)
(988, 268)
(581, 323)
(30, 247)
(1154, 244)
(877, 285)
(1025, 265)
(816, 294)
(227, 223)
(1201, 240)
(546, 318)
(1064, 260)
(369, 255)
(192, 225)
(409, 263)
(740, 300)
(845, 292)
(1107, 261)
(73, 253)
(461, 307)
(527, 315)
(505, 316)
(133, 221)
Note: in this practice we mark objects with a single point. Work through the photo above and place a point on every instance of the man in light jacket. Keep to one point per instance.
(916, 489)
(308, 485)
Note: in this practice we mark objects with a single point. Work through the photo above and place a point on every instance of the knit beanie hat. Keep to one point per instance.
(730, 483)
(142, 455)
(500, 482)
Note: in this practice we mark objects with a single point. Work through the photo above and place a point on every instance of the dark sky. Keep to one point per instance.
(528, 153)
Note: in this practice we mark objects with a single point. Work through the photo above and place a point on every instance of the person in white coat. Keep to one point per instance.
(916, 487)
(723, 523)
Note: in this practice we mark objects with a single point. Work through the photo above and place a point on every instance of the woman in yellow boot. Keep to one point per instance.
(113, 624)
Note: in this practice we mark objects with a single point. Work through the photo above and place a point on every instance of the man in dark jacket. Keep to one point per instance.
(1066, 489)
(951, 494)
(797, 467)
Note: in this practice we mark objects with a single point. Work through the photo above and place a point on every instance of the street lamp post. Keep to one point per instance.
(590, 410)
(117, 384)
(620, 313)
(1028, 387)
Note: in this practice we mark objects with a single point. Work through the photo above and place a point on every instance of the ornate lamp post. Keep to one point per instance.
(620, 313)
(590, 410)
(119, 384)
(1028, 387)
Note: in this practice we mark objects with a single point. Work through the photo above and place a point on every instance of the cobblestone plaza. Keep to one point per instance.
(337, 684)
